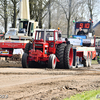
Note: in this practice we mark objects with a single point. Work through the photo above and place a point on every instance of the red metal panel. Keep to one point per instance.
(12, 45)
(79, 53)
(93, 54)
(6, 55)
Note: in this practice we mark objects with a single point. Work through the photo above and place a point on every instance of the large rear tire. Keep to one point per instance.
(28, 47)
(60, 54)
(68, 56)
(52, 61)
(25, 60)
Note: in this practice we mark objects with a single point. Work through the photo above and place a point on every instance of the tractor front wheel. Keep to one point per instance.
(25, 60)
(52, 61)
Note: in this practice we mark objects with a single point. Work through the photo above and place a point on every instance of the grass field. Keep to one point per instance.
(89, 95)
(94, 62)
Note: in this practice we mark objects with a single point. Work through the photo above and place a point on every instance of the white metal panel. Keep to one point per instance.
(76, 42)
(24, 9)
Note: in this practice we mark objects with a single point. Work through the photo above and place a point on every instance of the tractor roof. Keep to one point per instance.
(46, 30)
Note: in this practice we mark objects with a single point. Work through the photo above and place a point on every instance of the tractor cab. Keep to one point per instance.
(26, 28)
(47, 37)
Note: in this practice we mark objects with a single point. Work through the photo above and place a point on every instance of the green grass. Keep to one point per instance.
(94, 62)
(89, 95)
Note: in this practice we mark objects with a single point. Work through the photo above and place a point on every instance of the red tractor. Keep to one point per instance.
(48, 47)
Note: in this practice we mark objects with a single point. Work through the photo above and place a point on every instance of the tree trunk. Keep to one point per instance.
(68, 28)
(70, 2)
(91, 13)
(5, 21)
(49, 14)
(40, 14)
(15, 15)
(5, 15)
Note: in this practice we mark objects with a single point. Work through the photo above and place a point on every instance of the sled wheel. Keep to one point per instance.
(89, 61)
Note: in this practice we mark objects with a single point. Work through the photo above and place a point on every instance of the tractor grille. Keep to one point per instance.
(41, 49)
(39, 45)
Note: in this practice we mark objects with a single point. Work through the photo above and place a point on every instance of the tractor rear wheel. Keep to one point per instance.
(52, 61)
(28, 47)
(68, 56)
(60, 54)
(25, 60)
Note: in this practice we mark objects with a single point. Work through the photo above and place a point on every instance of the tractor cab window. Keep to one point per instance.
(49, 36)
(23, 26)
(40, 35)
(32, 27)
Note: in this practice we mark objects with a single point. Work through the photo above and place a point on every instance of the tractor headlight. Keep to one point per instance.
(45, 50)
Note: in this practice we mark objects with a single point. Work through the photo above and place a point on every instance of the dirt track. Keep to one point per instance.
(44, 83)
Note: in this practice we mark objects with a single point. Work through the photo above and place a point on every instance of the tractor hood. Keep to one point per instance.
(13, 33)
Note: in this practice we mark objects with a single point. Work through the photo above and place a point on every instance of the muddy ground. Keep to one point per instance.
(17, 83)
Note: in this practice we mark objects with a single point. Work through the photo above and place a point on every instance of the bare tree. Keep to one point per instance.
(4, 12)
(38, 10)
(69, 7)
(49, 8)
(92, 7)
(15, 12)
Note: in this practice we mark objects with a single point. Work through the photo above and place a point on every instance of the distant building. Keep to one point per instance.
(96, 29)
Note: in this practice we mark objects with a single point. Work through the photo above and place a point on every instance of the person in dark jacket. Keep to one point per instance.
(80, 32)
(67, 42)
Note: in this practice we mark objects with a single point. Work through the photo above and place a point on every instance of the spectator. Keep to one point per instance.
(59, 34)
(67, 42)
